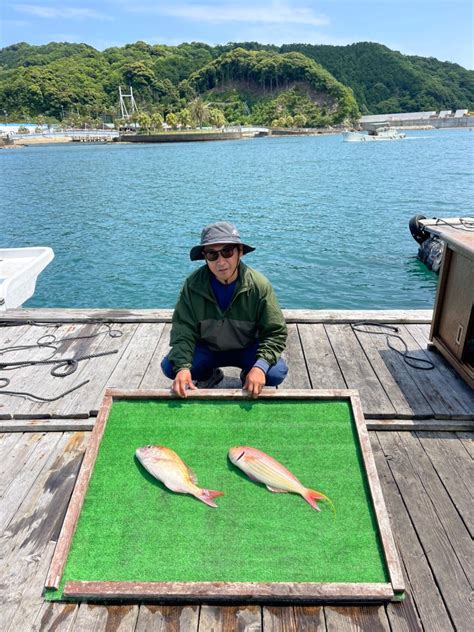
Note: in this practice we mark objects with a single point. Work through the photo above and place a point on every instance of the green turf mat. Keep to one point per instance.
(132, 528)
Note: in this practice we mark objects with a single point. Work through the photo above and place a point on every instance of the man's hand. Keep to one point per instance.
(254, 382)
(181, 381)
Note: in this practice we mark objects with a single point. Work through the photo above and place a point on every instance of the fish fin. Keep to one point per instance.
(276, 490)
(253, 478)
(207, 496)
(192, 475)
(311, 496)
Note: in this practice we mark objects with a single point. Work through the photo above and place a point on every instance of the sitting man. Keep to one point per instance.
(227, 314)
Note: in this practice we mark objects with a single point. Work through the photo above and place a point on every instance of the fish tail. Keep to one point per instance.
(311, 496)
(207, 496)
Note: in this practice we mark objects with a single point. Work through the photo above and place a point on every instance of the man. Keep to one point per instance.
(227, 314)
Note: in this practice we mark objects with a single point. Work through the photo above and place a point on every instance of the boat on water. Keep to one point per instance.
(19, 270)
(376, 133)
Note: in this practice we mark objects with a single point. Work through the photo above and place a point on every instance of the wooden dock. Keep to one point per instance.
(421, 425)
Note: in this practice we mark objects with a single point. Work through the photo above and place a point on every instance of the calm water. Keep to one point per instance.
(329, 219)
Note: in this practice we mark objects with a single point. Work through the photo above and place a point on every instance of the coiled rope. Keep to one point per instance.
(423, 364)
(60, 367)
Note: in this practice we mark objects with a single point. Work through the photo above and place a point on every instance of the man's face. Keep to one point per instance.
(224, 268)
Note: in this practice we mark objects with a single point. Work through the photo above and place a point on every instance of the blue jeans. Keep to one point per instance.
(205, 360)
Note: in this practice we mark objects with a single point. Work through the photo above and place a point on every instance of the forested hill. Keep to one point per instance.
(248, 82)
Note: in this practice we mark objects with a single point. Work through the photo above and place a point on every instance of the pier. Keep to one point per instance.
(420, 424)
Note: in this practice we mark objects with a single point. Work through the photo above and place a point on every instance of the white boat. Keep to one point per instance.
(19, 269)
(381, 132)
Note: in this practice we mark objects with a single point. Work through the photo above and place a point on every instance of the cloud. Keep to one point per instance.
(276, 12)
(57, 12)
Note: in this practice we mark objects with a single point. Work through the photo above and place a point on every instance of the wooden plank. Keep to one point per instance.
(323, 369)
(121, 618)
(297, 372)
(153, 377)
(455, 468)
(357, 371)
(40, 516)
(431, 532)
(27, 546)
(421, 585)
(403, 616)
(404, 393)
(309, 618)
(28, 378)
(24, 599)
(467, 439)
(225, 591)
(75, 505)
(453, 381)
(11, 446)
(230, 619)
(56, 617)
(15, 493)
(457, 532)
(132, 365)
(444, 398)
(87, 400)
(278, 619)
(383, 522)
(371, 618)
(167, 618)
(438, 425)
(17, 426)
(164, 315)
(38, 379)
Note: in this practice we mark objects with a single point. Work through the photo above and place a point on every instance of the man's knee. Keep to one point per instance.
(167, 368)
(276, 373)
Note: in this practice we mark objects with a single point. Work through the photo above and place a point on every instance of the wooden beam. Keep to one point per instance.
(72, 315)
(228, 591)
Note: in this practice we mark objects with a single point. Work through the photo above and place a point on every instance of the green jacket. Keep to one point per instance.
(253, 314)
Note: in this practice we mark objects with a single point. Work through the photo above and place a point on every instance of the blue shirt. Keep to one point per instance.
(224, 293)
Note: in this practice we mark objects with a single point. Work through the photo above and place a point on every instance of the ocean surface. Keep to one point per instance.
(329, 219)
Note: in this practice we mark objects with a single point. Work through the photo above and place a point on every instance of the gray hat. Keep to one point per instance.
(218, 233)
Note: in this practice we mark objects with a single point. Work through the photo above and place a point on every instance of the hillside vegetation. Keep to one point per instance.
(296, 84)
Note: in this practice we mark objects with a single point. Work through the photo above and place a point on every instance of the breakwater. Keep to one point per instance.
(179, 137)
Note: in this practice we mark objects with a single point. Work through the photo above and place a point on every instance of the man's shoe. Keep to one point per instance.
(217, 376)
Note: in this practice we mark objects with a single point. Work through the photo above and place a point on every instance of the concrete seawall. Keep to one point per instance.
(179, 137)
(437, 123)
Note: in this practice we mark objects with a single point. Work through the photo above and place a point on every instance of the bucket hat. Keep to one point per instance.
(218, 233)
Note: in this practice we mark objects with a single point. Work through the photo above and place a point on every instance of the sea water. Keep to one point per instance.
(329, 219)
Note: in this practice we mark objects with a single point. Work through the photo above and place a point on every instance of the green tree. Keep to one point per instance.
(199, 111)
(172, 120)
(144, 121)
(156, 121)
(184, 117)
(216, 117)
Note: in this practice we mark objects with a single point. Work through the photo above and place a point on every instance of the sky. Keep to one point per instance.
(430, 28)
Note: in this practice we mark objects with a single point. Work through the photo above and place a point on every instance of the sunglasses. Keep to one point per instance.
(213, 255)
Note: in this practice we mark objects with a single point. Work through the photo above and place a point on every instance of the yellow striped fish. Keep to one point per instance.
(263, 468)
(165, 465)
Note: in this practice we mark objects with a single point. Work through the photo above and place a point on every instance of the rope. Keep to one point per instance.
(70, 362)
(423, 364)
(60, 367)
(464, 224)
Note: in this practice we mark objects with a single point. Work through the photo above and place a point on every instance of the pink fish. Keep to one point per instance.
(263, 468)
(165, 465)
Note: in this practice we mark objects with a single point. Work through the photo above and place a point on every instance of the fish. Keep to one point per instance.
(165, 465)
(262, 468)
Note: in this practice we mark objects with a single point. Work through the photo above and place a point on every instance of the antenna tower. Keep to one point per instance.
(123, 106)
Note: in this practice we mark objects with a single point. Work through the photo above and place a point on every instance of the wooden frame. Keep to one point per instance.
(459, 252)
(223, 591)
